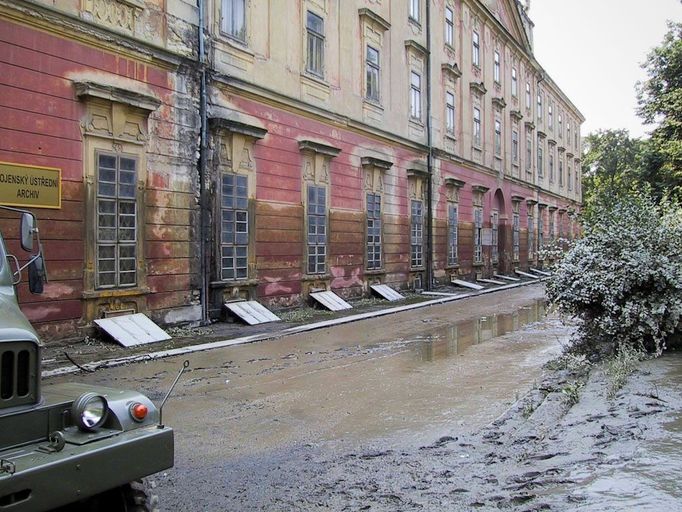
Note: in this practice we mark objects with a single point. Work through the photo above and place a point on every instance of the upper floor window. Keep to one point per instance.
(234, 18)
(560, 123)
(514, 83)
(373, 74)
(496, 67)
(415, 96)
(540, 158)
(450, 112)
(449, 27)
(453, 221)
(117, 230)
(414, 9)
(550, 117)
(539, 106)
(315, 44)
(515, 146)
(568, 131)
(498, 137)
(527, 95)
(475, 49)
(477, 126)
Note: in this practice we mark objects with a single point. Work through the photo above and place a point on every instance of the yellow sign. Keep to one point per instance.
(30, 185)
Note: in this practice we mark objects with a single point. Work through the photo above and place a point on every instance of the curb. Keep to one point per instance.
(152, 356)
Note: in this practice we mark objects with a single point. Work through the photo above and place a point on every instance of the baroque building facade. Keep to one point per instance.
(286, 148)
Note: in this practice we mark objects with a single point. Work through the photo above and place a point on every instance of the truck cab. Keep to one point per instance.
(67, 446)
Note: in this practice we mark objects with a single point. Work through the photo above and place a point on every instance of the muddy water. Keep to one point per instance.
(649, 480)
(242, 412)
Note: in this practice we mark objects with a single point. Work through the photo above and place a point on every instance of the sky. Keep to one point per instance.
(593, 49)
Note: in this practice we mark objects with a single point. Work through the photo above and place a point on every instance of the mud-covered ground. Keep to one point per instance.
(399, 413)
(545, 453)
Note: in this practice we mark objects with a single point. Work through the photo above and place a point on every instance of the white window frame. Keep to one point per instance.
(315, 41)
(372, 75)
(514, 83)
(235, 229)
(374, 238)
(415, 9)
(415, 96)
(449, 26)
(450, 112)
(477, 127)
(416, 233)
(475, 49)
(453, 233)
(497, 67)
(515, 146)
(498, 137)
(233, 19)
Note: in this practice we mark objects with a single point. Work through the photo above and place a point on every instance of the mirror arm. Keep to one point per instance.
(16, 274)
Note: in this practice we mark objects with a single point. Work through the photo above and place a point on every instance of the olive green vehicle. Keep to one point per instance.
(67, 446)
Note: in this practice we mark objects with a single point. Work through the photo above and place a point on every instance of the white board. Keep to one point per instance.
(331, 301)
(489, 281)
(386, 292)
(526, 274)
(252, 312)
(541, 272)
(467, 284)
(131, 330)
(506, 278)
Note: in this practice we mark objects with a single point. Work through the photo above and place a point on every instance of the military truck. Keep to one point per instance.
(66, 446)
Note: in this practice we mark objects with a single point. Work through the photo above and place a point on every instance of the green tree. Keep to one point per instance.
(660, 104)
(611, 164)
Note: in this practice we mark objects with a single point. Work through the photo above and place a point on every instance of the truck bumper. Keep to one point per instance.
(43, 481)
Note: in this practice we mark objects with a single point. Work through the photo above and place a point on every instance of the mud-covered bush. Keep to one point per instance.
(623, 279)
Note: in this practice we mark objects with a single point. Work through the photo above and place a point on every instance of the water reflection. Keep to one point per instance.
(456, 338)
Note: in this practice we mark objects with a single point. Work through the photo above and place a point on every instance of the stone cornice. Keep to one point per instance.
(369, 161)
(374, 18)
(318, 147)
(89, 89)
(237, 127)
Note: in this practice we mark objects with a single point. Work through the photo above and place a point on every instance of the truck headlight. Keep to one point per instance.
(89, 411)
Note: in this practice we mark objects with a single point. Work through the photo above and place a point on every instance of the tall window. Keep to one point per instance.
(449, 112)
(550, 117)
(539, 106)
(541, 228)
(495, 220)
(449, 27)
(415, 96)
(515, 146)
(414, 9)
(317, 229)
(528, 104)
(569, 179)
(477, 126)
(478, 234)
(498, 137)
(453, 228)
(315, 44)
(540, 158)
(516, 239)
(561, 172)
(373, 231)
(568, 131)
(234, 18)
(416, 233)
(373, 74)
(234, 227)
(551, 166)
(529, 151)
(531, 234)
(496, 66)
(561, 126)
(551, 225)
(514, 83)
(116, 221)
(475, 49)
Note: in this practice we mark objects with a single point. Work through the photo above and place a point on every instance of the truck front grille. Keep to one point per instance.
(18, 373)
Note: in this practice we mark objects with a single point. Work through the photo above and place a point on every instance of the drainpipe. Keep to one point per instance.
(429, 157)
(204, 238)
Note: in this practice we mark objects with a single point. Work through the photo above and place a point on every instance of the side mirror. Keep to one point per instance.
(37, 274)
(27, 230)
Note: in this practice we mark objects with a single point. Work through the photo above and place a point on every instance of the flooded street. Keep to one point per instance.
(411, 411)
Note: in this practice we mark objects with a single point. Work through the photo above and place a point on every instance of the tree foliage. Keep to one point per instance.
(623, 279)
(660, 104)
